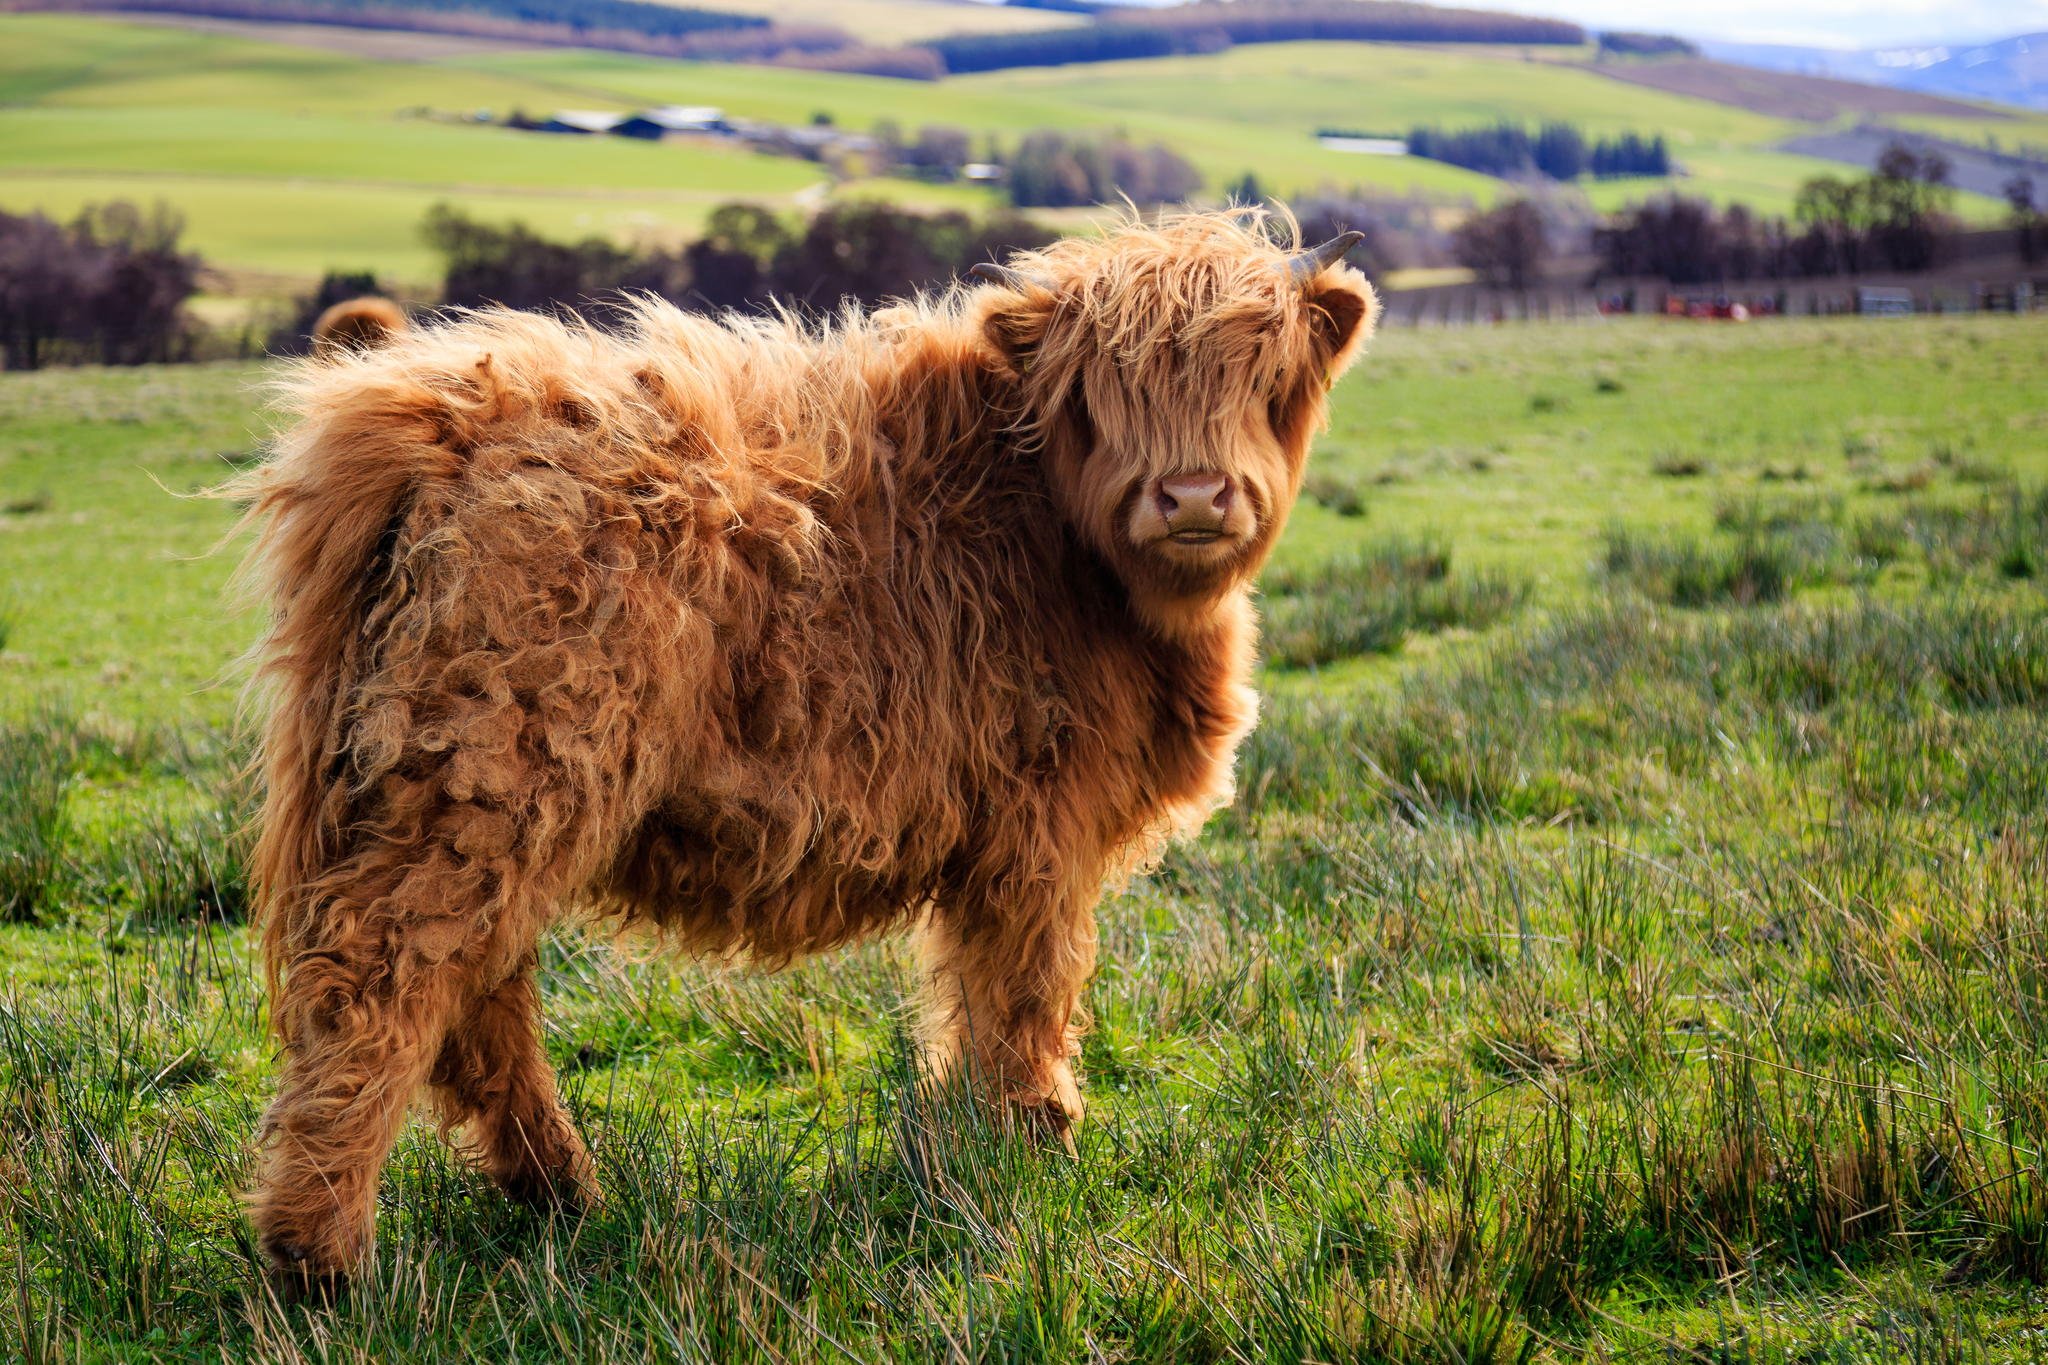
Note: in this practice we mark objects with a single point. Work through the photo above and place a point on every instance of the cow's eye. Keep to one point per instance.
(1082, 427)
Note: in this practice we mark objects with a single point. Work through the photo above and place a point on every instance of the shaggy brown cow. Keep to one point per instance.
(769, 638)
(357, 325)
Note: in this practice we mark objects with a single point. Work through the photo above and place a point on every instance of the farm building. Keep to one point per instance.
(581, 121)
(673, 118)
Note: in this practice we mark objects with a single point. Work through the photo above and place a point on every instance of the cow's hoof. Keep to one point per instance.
(301, 1278)
(569, 1194)
(1049, 1119)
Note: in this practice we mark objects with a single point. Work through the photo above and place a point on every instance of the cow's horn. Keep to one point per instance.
(988, 272)
(1306, 265)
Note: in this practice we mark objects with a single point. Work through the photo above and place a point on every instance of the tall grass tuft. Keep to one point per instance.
(1687, 572)
(2004, 532)
(177, 865)
(1337, 492)
(1370, 601)
(1761, 552)
(38, 757)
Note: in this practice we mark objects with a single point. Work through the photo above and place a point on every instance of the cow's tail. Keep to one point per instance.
(360, 324)
(364, 437)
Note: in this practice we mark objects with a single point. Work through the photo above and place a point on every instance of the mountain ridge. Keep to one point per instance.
(2012, 70)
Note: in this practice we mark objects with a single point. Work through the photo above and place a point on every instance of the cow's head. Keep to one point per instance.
(1172, 378)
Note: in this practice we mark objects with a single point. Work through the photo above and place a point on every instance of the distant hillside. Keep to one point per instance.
(2009, 71)
(1080, 30)
(1975, 169)
(1781, 94)
(634, 25)
(293, 149)
(570, 18)
(1209, 26)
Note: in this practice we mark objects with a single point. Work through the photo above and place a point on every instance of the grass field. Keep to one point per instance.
(1628, 942)
(289, 159)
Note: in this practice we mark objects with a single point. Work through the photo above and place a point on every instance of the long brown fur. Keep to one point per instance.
(771, 637)
(357, 325)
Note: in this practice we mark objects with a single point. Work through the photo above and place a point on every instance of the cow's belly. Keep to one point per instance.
(744, 884)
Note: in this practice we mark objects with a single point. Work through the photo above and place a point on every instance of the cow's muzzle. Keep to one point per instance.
(1194, 508)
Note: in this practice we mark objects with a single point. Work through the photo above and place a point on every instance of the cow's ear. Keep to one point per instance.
(1015, 325)
(1342, 311)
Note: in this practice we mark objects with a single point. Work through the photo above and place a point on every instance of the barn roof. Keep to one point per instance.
(583, 121)
(684, 116)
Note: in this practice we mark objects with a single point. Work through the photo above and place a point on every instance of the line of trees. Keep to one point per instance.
(1102, 42)
(1557, 150)
(108, 287)
(1046, 169)
(1506, 246)
(1895, 220)
(1053, 170)
(1213, 25)
(1621, 43)
(1401, 231)
(748, 258)
(1892, 219)
(2028, 216)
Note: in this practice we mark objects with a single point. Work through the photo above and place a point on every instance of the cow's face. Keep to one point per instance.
(1172, 379)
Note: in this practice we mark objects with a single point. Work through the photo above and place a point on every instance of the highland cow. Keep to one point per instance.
(769, 636)
(357, 325)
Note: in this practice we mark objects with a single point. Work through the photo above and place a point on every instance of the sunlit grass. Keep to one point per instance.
(1611, 974)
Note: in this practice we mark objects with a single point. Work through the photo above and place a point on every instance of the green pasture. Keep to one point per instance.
(284, 234)
(1223, 147)
(449, 157)
(90, 63)
(1626, 944)
(289, 160)
(1519, 444)
(1290, 88)
(1766, 181)
(1381, 87)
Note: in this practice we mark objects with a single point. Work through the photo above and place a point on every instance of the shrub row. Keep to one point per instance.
(1213, 25)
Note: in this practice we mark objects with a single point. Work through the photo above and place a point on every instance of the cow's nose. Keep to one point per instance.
(1194, 505)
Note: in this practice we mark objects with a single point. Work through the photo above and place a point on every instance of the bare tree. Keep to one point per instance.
(110, 286)
(1506, 246)
(2029, 223)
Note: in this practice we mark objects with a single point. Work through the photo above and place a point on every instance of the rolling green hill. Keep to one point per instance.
(288, 158)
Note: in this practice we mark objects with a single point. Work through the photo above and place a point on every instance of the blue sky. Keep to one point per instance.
(1821, 23)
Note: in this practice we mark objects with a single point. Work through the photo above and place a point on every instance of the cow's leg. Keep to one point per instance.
(493, 1078)
(363, 1021)
(1002, 998)
(488, 733)
(404, 944)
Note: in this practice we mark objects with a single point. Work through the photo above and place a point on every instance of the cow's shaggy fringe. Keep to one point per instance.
(769, 636)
